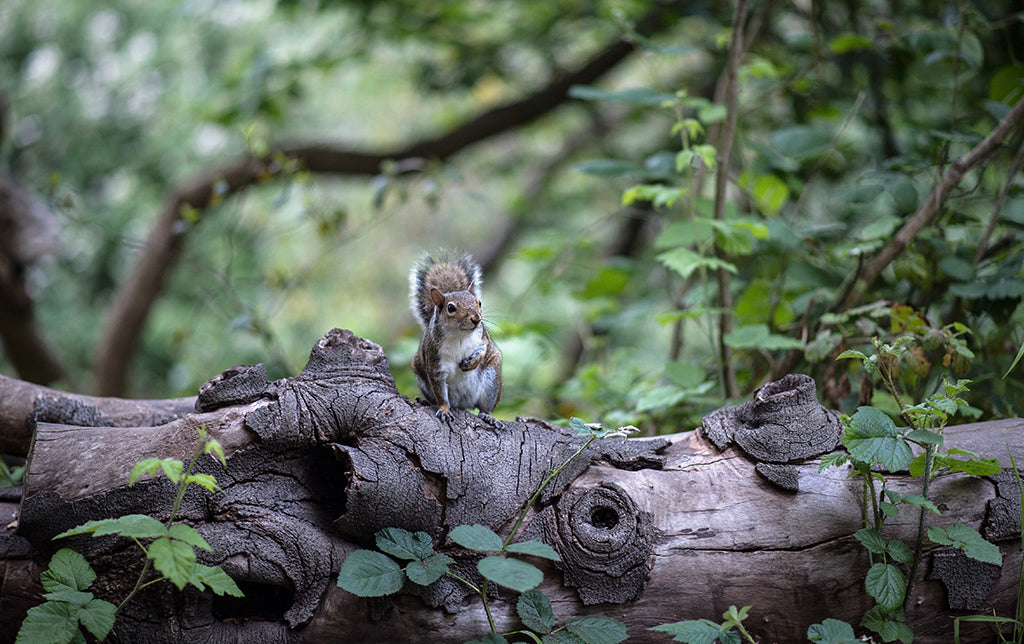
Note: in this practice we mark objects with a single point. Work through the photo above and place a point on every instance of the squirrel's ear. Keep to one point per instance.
(437, 297)
(472, 287)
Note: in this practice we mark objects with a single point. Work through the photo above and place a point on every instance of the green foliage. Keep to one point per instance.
(703, 631)
(873, 439)
(171, 552)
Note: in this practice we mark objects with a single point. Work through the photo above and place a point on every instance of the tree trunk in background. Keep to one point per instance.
(650, 531)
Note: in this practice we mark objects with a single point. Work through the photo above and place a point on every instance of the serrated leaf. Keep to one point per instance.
(75, 597)
(370, 574)
(885, 583)
(429, 569)
(872, 437)
(68, 571)
(921, 502)
(404, 544)
(49, 622)
(535, 549)
(835, 459)
(98, 617)
(598, 630)
(969, 540)
(145, 466)
(974, 466)
(534, 608)
(172, 469)
(214, 578)
(832, 631)
(871, 539)
(205, 481)
(926, 437)
(138, 526)
(476, 537)
(510, 573)
(189, 535)
(684, 261)
(214, 448)
(173, 559)
(698, 631)
(851, 354)
(899, 551)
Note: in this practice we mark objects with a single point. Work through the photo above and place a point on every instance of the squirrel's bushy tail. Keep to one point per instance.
(445, 270)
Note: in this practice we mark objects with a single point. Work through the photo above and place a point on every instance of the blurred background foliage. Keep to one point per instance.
(596, 221)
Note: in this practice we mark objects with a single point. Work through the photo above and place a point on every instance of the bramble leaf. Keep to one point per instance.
(189, 535)
(370, 574)
(426, 571)
(49, 622)
(534, 548)
(698, 631)
(510, 573)
(885, 583)
(967, 539)
(68, 571)
(534, 608)
(214, 578)
(173, 559)
(598, 630)
(476, 537)
(98, 617)
(832, 631)
(404, 544)
(872, 437)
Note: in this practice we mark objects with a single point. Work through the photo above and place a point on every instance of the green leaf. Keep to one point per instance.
(214, 578)
(534, 548)
(75, 597)
(510, 573)
(476, 537)
(698, 631)
(921, 502)
(832, 631)
(598, 630)
(925, 437)
(98, 617)
(967, 539)
(370, 574)
(973, 466)
(872, 437)
(885, 583)
(428, 570)
(849, 42)
(189, 535)
(68, 571)
(49, 622)
(871, 539)
(173, 559)
(404, 544)
(633, 96)
(850, 353)
(608, 168)
(899, 551)
(490, 638)
(214, 448)
(145, 466)
(203, 480)
(835, 459)
(138, 526)
(534, 608)
(684, 261)
(757, 336)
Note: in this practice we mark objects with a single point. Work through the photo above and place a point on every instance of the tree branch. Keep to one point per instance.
(135, 299)
(930, 209)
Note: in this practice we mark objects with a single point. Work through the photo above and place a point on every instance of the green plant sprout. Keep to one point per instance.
(171, 552)
(704, 631)
(368, 573)
(875, 445)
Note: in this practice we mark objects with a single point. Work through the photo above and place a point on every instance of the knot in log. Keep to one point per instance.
(605, 543)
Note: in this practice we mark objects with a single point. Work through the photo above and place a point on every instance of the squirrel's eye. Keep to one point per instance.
(451, 307)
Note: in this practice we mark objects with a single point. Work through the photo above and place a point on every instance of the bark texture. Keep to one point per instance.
(650, 531)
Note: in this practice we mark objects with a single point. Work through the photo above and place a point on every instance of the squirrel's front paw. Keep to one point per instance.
(445, 415)
(472, 360)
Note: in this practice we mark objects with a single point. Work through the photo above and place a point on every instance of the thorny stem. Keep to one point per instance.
(928, 451)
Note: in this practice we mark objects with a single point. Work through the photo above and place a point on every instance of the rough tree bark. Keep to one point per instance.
(650, 531)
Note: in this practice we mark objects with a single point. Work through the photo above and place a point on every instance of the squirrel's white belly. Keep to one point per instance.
(464, 387)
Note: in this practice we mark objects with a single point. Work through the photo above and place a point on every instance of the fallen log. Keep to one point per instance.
(649, 530)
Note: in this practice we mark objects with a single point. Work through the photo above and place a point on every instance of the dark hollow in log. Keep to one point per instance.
(650, 531)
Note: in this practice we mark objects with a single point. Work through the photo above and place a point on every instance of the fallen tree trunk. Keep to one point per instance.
(650, 531)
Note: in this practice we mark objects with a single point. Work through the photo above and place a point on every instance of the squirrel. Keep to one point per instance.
(457, 366)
